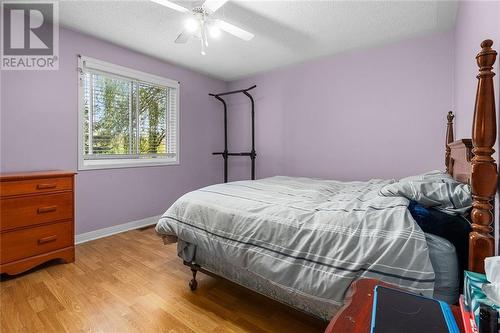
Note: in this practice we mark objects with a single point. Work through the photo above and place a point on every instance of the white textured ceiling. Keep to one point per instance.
(286, 32)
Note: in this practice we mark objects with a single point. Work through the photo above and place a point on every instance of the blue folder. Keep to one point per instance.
(399, 311)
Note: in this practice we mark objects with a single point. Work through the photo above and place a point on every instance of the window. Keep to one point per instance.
(126, 118)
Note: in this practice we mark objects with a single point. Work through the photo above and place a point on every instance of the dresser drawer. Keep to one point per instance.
(33, 241)
(31, 210)
(29, 186)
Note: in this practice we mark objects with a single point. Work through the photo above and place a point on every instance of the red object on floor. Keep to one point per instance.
(468, 322)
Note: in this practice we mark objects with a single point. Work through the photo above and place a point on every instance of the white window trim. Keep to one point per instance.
(91, 63)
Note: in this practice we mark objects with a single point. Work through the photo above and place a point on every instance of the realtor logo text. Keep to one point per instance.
(30, 36)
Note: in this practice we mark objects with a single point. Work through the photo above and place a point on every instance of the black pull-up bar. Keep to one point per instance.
(234, 91)
(225, 154)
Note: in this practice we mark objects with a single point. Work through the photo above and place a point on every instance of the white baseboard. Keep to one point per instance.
(116, 229)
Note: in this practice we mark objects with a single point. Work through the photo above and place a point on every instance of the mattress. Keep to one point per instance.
(441, 253)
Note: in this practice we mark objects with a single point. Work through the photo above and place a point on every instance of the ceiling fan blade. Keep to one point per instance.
(213, 5)
(172, 5)
(183, 37)
(234, 30)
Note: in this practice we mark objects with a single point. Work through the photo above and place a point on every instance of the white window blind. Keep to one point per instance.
(127, 118)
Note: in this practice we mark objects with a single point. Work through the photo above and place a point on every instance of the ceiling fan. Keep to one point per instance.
(200, 24)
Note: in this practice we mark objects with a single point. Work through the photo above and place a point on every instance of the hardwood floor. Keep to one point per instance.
(131, 282)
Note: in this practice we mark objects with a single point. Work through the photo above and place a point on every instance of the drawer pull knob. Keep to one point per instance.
(48, 239)
(45, 186)
(48, 209)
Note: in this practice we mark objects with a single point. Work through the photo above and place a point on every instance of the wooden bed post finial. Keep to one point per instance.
(484, 174)
(449, 139)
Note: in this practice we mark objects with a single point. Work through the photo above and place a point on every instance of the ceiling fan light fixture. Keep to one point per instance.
(202, 25)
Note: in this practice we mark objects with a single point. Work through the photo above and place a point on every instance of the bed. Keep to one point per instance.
(303, 241)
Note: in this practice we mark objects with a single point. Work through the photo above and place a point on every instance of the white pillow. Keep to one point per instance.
(445, 264)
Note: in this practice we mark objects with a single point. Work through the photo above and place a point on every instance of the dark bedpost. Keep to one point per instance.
(449, 139)
(484, 174)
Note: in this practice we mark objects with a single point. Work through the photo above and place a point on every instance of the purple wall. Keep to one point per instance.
(378, 112)
(365, 114)
(39, 132)
(476, 21)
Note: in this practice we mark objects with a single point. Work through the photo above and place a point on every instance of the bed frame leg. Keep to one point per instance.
(193, 284)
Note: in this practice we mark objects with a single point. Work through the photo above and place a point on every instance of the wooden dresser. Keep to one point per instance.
(36, 219)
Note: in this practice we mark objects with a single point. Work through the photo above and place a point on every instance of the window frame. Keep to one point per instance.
(135, 75)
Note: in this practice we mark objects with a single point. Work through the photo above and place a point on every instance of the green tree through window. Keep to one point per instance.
(124, 117)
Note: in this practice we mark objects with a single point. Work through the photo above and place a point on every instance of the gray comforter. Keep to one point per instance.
(312, 237)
